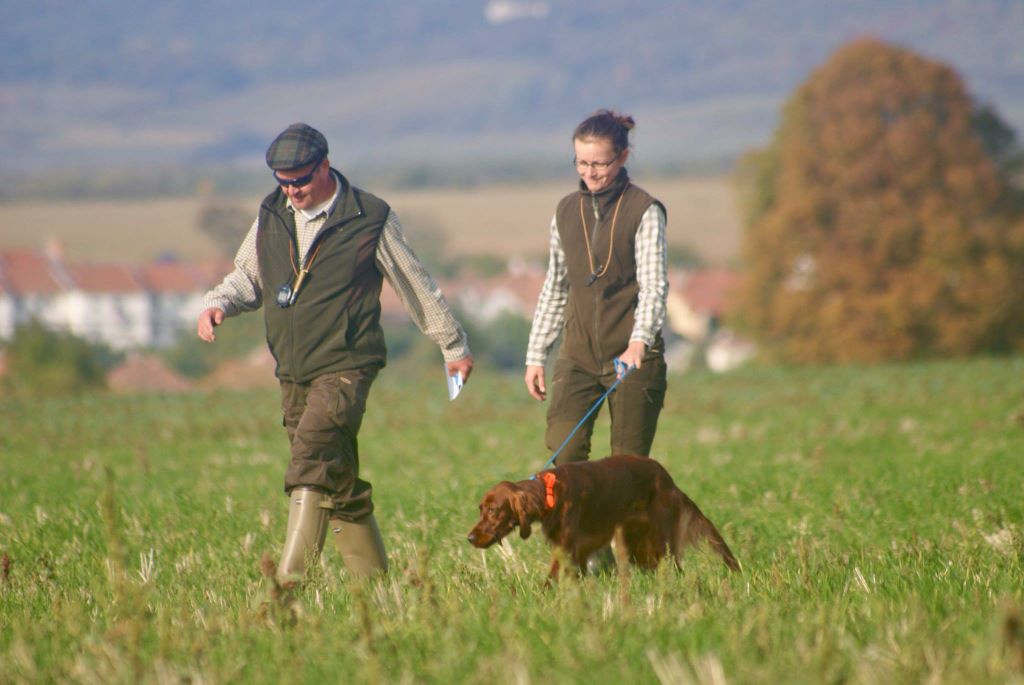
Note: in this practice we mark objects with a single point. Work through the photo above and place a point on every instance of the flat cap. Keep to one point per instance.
(297, 146)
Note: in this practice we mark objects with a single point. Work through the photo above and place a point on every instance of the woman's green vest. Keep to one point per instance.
(600, 312)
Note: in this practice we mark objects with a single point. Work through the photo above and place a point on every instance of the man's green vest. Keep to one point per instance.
(600, 312)
(334, 324)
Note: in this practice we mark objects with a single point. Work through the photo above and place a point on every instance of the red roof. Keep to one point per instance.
(172, 277)
(29, 272)
(525, 285)
(104, 278)
(212, 272)
(711, 291)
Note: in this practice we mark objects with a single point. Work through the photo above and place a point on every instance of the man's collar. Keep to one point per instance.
(325, 206)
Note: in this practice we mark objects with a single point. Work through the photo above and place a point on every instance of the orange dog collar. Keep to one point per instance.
(549, 488)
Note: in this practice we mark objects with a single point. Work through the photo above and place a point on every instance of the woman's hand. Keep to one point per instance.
(634, 355)
(535, 382)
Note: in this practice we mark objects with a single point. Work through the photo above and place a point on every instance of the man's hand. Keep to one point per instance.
(535, 382)
(463, 366)
(634, 354)
(208, 320)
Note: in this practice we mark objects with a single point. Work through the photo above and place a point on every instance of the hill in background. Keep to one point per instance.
(491, 87)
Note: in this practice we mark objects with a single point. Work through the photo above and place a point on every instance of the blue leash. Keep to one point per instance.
(622, 370)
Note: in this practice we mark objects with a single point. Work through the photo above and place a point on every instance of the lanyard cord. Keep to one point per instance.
(594, 275)
(309, 260)
(300, 274)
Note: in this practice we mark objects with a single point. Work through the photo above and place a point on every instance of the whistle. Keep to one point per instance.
(298, 285)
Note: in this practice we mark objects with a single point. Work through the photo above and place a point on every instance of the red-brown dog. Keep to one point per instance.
(582, 505)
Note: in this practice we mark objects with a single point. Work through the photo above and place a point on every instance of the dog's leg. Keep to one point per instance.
(620, 548)
(556, 566)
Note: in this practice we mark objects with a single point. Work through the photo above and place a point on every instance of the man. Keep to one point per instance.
(316, 257)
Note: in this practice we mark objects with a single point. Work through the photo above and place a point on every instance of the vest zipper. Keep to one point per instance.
(293, 235)
(320, 236)
(599, 348)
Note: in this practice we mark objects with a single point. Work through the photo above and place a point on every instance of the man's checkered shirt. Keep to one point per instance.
(241, 290)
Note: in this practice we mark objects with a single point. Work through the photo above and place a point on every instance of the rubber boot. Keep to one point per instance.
(307, 527)
(361, 546)
(601, 561)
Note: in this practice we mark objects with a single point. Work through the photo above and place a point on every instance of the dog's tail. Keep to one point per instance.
(693, 526)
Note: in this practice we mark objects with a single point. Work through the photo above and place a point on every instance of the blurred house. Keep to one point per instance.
(211, 272)
(697, 300)
(7, 304)
(176, 297)
(120, 305)
(32, 286)
(696, 304)
(107, 303)
(485, 300)
(726, 351)
(131, 307)
(481, 299)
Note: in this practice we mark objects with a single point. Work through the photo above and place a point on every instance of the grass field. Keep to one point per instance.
(502, 220)
(878, 514)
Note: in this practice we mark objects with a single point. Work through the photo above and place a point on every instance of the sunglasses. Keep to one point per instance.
(300, 181)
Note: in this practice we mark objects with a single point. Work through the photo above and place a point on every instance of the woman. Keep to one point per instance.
(605, 291)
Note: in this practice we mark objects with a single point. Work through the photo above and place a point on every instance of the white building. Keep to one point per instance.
(107, 304)
(696, 303)
(7, 304)
(176, 297)
(33, 286)
(485, 300)
(122, 306)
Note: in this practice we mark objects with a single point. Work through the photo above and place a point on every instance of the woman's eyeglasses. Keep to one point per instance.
(596, 166)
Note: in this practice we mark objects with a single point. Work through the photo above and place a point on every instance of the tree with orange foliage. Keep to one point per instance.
(882, 221)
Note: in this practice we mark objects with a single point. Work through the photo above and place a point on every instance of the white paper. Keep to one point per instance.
(454, 384)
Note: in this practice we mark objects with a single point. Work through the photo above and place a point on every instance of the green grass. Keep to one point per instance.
(878, 514)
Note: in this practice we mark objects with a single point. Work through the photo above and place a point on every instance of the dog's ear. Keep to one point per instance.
(518, 503)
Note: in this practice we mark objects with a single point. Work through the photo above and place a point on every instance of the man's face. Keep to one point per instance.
(596, 162)
(318, 188)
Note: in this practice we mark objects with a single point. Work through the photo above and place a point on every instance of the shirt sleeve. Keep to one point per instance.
(549, 316)
(418, 292)
(651, 276)
(241, 290)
